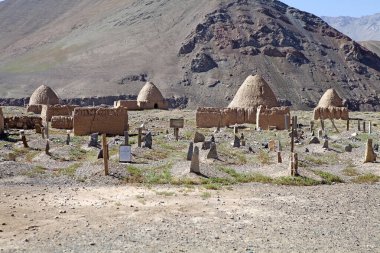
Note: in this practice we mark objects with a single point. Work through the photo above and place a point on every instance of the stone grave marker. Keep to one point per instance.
(198, 137)
(93, 142)
(68, 137)
(212, 154)
(148, 142)
(314, 140)
(370, 155)
(326, 144)
(23, 138)
(236, 143)
(194, 167)
(190, 151)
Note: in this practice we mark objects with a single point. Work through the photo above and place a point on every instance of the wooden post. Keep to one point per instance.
(139, 137)
(279, 158)
(322, 124)
(295, 165)
(176, 133)
(292, 135)
(369, 127)
(311, 126)
(358, 125)
(126, 138)
(43, 132)
(105, 155)
(348, 124)
(332, 122)
(47, 130)
(363, 126)
(47, 147)
(287, 122)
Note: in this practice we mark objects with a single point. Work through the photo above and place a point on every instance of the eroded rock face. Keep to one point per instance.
(202, 63)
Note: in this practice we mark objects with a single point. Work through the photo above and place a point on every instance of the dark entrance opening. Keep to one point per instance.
(155, 106)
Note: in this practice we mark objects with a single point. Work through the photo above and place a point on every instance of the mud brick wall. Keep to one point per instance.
(131, 105)
(112, 121)
(331, 113)
(62, 122)
(34, 109)
(271, 117)
(23, 122)
(148, 105)
(48, 111)
(208, 117)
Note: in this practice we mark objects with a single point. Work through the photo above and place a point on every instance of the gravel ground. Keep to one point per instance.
(247, 218)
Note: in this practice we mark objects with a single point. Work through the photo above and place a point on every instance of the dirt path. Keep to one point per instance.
(245, 218)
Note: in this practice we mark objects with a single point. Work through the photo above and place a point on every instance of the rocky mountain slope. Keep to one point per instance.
(199, 49)
(359, 29)
(372, 45)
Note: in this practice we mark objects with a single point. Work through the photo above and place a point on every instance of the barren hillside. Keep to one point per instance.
(372, 45)
(199, 49)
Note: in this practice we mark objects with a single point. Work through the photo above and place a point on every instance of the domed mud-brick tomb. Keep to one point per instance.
(150, 97)
(43, 95)
(255, 91)
(331, 106)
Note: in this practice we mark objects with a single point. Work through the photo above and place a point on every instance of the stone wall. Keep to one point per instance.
(34, 109)
(62, 122)
(131, 105)
(23, 122)
(48, 111)
(112, 121)
(267, 118)
(331, 113)
(208, 117)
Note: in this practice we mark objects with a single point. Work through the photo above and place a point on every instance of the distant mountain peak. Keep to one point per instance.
(359, 29)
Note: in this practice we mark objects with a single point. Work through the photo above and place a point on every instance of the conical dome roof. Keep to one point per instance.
(253, 92)
(150, 93)
(44, 95)
(330, 98)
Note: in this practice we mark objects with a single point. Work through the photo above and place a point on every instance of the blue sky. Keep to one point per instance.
(353, 8)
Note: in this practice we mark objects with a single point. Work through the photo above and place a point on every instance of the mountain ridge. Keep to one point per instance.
(363, 28)
(199, 49)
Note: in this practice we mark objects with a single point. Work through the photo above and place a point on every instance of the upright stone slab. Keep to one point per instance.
(148, 140)
(94, 140)
(236, 143)
(194, 167)
(314, 140)
(198, 137)
(326, 144)
(68, 137)
(212, 154)
(190, 151)
(370, 155)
